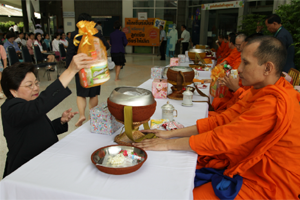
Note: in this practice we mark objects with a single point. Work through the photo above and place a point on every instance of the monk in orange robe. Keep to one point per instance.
(257, 138)
(220, 47)
(227, 49)
(219, 104)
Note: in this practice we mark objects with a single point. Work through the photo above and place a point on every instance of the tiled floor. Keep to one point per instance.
(136, 71)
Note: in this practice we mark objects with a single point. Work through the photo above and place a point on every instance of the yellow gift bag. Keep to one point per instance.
(93, 47)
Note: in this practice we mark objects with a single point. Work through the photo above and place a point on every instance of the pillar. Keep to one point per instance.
(127, 12)
(204, 26)
(240, 18)
(68, 9)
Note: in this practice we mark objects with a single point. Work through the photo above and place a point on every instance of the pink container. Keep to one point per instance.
(160, 88)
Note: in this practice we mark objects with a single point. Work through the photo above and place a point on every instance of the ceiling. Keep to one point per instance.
(14, 3)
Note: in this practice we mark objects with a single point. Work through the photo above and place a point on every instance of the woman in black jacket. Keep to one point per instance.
(27, 129)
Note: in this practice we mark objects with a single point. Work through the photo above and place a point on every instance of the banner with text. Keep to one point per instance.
(223, 5)
(141, 32)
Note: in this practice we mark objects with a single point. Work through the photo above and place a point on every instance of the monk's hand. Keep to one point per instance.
(158, 133)
(67, 116)
(155, 144)
(231, 83)
(223, 63)
(81, 61)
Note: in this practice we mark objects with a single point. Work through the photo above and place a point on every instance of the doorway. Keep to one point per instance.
(221, 22)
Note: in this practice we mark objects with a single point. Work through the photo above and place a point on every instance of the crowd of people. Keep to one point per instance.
(248, 147)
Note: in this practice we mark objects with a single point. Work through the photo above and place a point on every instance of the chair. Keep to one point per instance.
(44, 45)
(39, 60)
(295, 74)
(62, 52)
(12, 55)
(25, 54)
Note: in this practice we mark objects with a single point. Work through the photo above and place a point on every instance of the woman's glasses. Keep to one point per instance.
(31, 85)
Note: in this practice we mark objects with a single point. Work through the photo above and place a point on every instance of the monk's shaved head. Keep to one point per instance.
(241, 36)
(270, 49)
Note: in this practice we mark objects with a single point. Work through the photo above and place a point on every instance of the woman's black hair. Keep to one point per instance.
(84, 17)
(10, 35)
(31, 33)
(55, 35)
(36, 35)
(117, 25)
(13, 76)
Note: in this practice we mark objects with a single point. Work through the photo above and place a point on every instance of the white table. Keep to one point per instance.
(65, 171)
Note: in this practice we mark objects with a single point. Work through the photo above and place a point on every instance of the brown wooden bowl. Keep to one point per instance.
(139, 113)
(192, 55)
(175, 77)
(100, 153)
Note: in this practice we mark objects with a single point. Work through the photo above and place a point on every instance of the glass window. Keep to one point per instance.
(165, 3)
(150, 12)
(143, 3)
(166, 14)
(195, 2)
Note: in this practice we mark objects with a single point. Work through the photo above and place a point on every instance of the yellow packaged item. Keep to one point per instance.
(93, 47)
(156, 123)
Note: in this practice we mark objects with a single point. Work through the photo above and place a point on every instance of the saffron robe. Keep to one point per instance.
(220, 50)
(257, 138)
(234, 59)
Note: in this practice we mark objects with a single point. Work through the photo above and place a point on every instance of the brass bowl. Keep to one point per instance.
(192, 53)
(100, 156)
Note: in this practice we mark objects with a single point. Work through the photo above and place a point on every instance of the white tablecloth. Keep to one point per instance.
(65, 171)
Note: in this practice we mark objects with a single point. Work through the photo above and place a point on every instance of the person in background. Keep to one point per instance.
(83, 93)
(63, 40)
(11, 42)
(163, 43)
(29, 44)
(3, 57)
(38, 29)
(273, 23)
(259, 28)
(20, 40)
(99, 27)
(55, 44)
(118, 41)
(4, 39)
(47, 41)
(60, 29)
(16, 29)
(26, 36)
(68, 36)
(38, 41)
(185, 39)
(11, 28)
(27, 129)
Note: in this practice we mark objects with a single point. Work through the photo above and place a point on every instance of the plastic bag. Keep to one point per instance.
(93, 47)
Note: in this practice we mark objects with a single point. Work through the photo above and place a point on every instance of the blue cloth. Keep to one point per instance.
(14, 44)
(47, 42)
(118, 41)
(224, 186)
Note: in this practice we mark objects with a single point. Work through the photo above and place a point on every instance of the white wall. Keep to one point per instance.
(127, 12)
(69, 22)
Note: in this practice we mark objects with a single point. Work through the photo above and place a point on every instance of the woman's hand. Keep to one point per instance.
(81, 61)
(156, 144)
(158, 133)
(67, 116)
